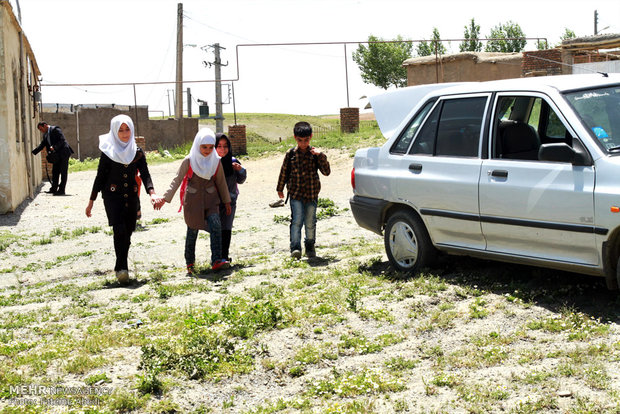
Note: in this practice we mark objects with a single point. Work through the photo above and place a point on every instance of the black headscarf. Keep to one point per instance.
(226, 160)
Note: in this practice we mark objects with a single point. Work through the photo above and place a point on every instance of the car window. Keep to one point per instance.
(459, 127)
(402, 143)
(425, 140)
(599, 109)
(522, 124)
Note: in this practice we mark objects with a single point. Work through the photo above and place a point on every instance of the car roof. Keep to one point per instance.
(561, 83)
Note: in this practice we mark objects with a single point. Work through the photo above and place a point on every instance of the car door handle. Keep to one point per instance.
(499, 173)
(415, 167)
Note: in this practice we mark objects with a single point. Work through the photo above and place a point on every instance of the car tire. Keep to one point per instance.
(407, 243)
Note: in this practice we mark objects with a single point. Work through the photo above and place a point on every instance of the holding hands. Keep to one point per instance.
(157, 201)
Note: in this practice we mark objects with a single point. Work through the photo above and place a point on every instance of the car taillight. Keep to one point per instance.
(353, 178)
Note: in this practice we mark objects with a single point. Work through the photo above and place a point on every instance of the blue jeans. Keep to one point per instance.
(215, 231)
(302, 213)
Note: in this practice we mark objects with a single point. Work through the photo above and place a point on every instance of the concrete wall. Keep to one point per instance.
(96, 121)
(20, 171)
(463, 67)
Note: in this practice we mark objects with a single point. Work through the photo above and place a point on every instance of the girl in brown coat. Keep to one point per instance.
(203, 187)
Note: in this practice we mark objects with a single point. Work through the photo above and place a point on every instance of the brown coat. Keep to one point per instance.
(202, 197)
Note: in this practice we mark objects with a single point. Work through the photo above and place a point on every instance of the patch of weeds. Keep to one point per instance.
(159, 276)
(471, 357)
(125, 401)
(149, 383)
(482, 397)
(477, 309)
(427, 284)
(142, 297)
(311, 354)
(364, 405)
(353, 297)
(351, 384)
(358, 343)
(158, 220)
(577, 325)
(399, 364)
(529, 405)
(168, 407)
(438, 319)
(100, 378)
(292, 263)
(83, 363)
(6, 239)
(281, 219)
(442, 379)
(377, 315)
(596, 376)
(43, 241)
(198, 353)
(241, 318)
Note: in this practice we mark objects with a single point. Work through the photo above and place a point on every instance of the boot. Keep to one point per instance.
(310, 252)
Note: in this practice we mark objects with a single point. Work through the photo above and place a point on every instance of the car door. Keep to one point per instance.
(438, 173)
(535, 208)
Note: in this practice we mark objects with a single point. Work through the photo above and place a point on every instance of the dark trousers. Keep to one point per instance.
(122, 241)
(60, 170)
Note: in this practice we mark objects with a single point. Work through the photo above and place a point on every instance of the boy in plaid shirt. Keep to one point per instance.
(299, 172)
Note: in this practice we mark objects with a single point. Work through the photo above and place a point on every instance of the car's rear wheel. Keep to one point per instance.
(407, 243)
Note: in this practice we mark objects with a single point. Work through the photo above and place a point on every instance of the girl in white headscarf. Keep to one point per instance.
(120, 161)
(203, 187)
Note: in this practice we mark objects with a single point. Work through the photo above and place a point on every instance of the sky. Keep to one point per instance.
(126, 41)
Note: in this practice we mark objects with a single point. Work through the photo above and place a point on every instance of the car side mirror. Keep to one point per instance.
(561, 152)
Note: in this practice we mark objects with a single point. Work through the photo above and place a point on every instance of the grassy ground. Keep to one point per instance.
(342, 333)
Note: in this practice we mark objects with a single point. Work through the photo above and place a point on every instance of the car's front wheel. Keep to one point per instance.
(407, 243)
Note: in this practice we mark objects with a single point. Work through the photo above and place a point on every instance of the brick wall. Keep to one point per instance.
(237, 137)
(542, 62)
(349, 120)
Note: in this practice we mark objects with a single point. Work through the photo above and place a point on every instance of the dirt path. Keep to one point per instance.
(255, 231)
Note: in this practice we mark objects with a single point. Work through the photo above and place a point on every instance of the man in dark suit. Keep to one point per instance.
(54, 140)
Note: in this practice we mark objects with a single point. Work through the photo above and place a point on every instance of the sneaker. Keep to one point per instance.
(191, 270)
(220, 264)
(296, 254)
(59, 193)
(122, 276)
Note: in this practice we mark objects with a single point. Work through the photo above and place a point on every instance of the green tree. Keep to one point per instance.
(381, 64)
(471, 36)
(508, 38)
(428, 48)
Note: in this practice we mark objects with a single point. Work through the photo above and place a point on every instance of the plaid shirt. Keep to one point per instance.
(299, 173)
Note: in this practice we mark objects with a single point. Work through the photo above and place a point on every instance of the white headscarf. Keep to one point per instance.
(113, 147)
(203, 166)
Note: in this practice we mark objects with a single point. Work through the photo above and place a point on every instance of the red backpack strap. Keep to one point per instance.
(187, 177)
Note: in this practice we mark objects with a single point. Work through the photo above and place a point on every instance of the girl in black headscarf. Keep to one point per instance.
(235, 174)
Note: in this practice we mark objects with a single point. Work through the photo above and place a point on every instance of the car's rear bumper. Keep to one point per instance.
(368, 212)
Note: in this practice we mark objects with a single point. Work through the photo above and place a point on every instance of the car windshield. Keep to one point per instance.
(599, 110)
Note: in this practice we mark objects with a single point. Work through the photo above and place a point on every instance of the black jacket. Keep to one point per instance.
(56, 140)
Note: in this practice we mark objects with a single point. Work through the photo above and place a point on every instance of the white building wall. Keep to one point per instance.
(20, 171)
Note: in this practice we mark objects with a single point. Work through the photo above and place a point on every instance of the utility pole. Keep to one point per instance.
(178, 108)
(595, 22)
(219, 116)
(189, 102)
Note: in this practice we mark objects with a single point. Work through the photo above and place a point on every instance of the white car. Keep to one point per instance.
(520, 170)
